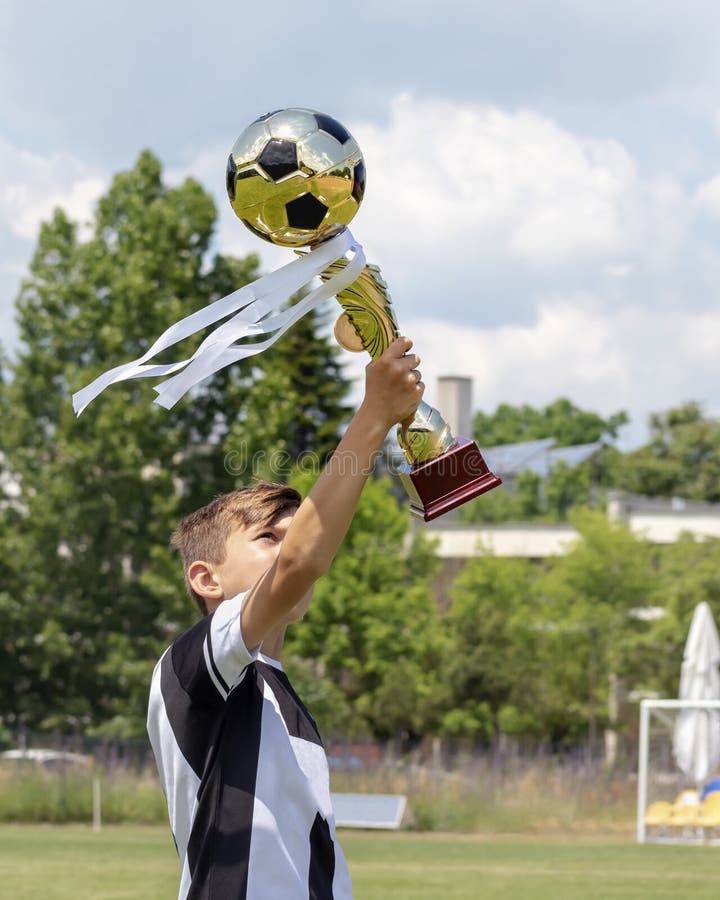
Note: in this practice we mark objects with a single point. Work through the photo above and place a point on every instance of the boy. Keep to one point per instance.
(240, 759)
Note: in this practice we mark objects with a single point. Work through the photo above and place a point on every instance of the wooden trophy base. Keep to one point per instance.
(444, 483)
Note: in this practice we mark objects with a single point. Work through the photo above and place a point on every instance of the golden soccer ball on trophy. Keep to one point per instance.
(295, 177)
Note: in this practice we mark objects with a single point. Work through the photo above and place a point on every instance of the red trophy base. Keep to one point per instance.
(452, 479)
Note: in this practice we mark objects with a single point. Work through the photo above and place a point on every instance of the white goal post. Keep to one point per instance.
(662, 713)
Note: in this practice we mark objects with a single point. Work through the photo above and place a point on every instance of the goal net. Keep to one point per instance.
(679, 771)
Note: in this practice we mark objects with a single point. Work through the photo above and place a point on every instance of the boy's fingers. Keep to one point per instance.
(411, 360)
(399, 347)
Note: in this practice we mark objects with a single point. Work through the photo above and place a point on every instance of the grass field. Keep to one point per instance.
(124, 863)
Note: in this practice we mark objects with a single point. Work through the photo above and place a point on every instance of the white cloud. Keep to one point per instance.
(629, 359)
(469, 180)
(601, 250)
(474, 212)
(707, 197)
(598, 251)
(32, 185)
(469, 199)
(474, 177)
(605, 361)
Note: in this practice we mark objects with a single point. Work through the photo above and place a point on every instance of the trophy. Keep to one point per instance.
(296, 178)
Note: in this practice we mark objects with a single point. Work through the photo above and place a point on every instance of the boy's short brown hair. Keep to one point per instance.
(203, 534)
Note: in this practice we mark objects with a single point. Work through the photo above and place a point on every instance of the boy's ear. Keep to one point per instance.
(203, 581)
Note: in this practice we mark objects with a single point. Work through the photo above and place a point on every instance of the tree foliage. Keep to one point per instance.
(687, 573)
(373, 626)
(91, 593)
(535, 650)
(681, 459)
(591, 598)
(292, 412)
(493, 667)
(562, 420)
(550, 498)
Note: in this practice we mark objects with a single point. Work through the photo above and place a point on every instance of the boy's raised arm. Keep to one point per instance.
(393, 390)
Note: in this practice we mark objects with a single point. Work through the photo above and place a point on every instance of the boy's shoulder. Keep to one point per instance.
(296, 716)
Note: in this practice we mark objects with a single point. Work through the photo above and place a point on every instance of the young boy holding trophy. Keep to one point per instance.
(240, 758)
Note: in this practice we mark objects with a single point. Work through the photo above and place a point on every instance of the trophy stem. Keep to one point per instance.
(439, 472)
(426, 437)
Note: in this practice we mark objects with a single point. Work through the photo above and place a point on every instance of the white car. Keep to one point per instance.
(49, 760)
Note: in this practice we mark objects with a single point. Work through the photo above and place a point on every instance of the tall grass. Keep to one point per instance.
(543, 798)
(31, 795)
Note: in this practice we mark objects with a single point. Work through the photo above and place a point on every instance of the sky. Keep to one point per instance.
(543, 176)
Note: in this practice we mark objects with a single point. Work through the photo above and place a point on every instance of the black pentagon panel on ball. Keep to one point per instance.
(230, 177)
(279, 158)
(358, 190)
(305, 211)
(333, 127)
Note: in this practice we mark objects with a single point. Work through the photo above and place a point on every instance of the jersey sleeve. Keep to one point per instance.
(226, 647)
(211, 657)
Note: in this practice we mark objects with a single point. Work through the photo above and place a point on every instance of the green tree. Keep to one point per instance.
(562, 420)
(567, 487)
(374, 622)
(503, 504)
(528, 496)
(93, 592)
(294, 408)
(682, 457)
(492, 649)
(592, 602)
(688, 573)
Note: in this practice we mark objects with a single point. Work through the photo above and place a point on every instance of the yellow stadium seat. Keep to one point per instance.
(709, 813)
(697, 820)
(658, 814)
(685, 810)
(684, 816)
(689, 797)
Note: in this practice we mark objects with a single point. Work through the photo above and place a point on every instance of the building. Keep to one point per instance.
(661, 521)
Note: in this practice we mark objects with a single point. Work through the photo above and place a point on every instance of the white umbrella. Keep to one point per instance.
(697, 733)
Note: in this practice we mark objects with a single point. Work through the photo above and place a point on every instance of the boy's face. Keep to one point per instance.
(249, 552)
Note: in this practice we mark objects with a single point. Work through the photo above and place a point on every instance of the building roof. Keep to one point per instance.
(509, 460)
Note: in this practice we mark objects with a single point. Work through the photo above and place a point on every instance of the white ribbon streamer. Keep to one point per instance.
(256, 308)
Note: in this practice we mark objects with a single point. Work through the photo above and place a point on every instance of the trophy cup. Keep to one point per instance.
(296, 178)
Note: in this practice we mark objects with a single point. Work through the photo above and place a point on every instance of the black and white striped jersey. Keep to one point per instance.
(244, 771)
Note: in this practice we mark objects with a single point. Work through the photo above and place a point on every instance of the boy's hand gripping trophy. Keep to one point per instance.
(296, 178)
